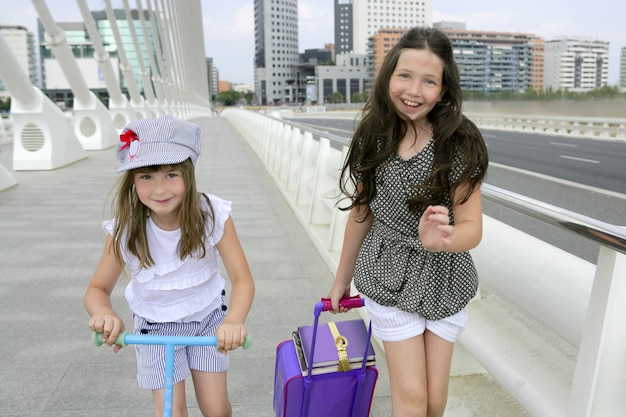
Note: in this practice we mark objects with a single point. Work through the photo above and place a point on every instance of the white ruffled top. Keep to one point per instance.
(174, 289)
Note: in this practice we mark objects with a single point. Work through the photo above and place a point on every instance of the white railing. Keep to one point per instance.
(587, 127)
(549, 326)
(613, 129)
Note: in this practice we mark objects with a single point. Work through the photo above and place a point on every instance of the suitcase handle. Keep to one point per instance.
(348, 302)
(325, 305)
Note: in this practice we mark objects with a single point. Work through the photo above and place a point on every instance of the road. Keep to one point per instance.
(600, 164)
(586, 176)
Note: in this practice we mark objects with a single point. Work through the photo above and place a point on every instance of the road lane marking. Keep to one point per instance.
(591, 161)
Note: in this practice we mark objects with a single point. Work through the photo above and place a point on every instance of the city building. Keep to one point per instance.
(275, 51)
(496, 61)
(622, 69)
(369, 16)
(22, 44)
(379, 46)
(243, 88)
(54, 82)
(370, 28)
(306, 78)
(343, 27)
(576, 64)
(224, 86)
(349, 76)
(537, 62)
(213, 75)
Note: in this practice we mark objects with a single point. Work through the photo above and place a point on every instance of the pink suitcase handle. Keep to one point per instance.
(348, 302)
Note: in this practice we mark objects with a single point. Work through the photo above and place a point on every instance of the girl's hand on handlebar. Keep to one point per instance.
(230, 336)
(110, 325)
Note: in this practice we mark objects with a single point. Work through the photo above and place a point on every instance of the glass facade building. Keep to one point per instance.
(82, 47)
(497, 61)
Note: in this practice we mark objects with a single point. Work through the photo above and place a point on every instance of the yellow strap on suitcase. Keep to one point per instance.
(341, 343)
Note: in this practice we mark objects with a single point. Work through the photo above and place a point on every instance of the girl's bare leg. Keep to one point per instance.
(438, 361)
(407, 377)
(212, 393)
(419, 372)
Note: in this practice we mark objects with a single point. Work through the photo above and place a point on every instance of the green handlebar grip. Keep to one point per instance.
(247, 342)
(96, 338)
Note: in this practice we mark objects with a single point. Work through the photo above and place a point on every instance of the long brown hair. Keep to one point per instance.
(130, 217)
(381, 127)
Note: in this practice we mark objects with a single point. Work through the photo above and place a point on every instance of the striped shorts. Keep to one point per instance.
(151, 358)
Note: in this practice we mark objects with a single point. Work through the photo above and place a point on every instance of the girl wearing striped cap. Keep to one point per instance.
(168, 240)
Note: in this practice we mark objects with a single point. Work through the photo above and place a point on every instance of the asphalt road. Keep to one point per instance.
(600, 164)
(586, 176)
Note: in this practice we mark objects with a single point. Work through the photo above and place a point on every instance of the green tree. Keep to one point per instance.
(549, 94)
(358, 98)
(605, 91)
(249, 96)
(5, 104)
(228, 98)
(336, 97)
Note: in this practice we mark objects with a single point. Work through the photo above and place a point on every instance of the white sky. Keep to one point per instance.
(229, 25)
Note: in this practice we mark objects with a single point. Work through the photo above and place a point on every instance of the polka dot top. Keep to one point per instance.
(392, 267)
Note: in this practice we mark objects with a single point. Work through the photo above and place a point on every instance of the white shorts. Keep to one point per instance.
(390, 324)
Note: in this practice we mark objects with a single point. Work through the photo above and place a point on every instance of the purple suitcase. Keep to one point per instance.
(336, 394)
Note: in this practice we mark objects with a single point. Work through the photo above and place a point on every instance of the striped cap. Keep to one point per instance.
(162, 141)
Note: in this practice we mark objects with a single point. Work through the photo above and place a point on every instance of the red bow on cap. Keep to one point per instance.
(131, 141)
(127, 137)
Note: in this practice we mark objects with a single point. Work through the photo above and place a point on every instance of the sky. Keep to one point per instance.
(229, 25)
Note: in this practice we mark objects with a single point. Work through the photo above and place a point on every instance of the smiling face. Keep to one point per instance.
(162, 192)
(416, 84)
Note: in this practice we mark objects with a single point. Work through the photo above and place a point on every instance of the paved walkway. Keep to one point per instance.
(50, 242)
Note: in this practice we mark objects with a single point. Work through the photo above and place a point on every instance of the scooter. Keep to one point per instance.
(170, 342)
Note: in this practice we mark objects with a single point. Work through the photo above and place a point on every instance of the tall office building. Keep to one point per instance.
(22, 44)
(576, 64)
(369, 16)
(275, 51)
(213, 75)
(343, 27)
